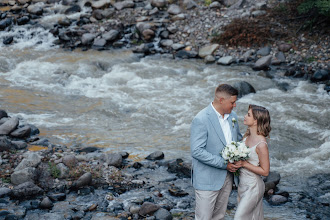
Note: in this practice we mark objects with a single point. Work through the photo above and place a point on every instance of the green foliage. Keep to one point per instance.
(54, 171)
(207, 2)
(316, 7)
(5, 180)
(282, 7)
(309, 59)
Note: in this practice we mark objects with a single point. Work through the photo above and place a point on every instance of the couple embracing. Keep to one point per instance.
(212, 129)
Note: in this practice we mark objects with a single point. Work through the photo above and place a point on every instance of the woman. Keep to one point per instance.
(251, 187)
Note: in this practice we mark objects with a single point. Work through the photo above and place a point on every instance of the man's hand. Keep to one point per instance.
(232, 167)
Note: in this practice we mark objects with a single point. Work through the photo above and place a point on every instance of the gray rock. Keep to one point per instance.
(24, 175)
(26, 190)
(158, 3)
(215, 5)
(174, 9)
(108, 13)
(134, 209)
(154, 11)
(172, 29)
(84, 180)
(226, 60)
(157, 155)
(278, 199)
(46, 203)
(4, 191)
(258, 13)
(9, 126)
(100, 4)
(178, 17)
(273, 177)
(99, 43)
(263, 63)
(6, 144)
(64, 170)
(21, 132)
(208, 50)
(69, 160)
(32, 159)
(148, 208)
(72, 9)
(98, 14)
(111, 35)
(87, 38)
(209, 59)
(148, 34)
(166, 43)
(324, 199)
(177, 46)
(36, 9)
(123, 4)
(247, 55)
(264, 51)
(113, 159)
(189, 4)
(163, 214)
(3, 114)
(244, 88)
(280, 56)
(284, 47)
(141, 26)
(19, 145)
(320, 75)
(57, 196)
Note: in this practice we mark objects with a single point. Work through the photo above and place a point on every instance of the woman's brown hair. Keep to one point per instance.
(262, 116)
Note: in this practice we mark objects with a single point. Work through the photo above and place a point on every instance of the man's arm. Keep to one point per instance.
(198, 139)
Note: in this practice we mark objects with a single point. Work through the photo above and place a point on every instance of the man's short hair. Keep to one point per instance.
(228, 89)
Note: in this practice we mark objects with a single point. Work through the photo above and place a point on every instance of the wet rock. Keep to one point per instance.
(137, 165)
(87, 38)
(163, 214)
(177, 46)
(41, 142)
(186, 54)
(100, 4)
(320, 75)
(148, 208)
(174, 9)
(177, 192)
(46, 203)
(3, 114)
(24, 175)
(181, 168)
(124, 155)
(73, 9)
(209, 59)
(324, 199)
(26, 190)
(57, 196)
(263, 63)
(23, 20)
(247, 55)
(84, 180)
(6, 144)
(277, 199)
(208, 50)
(9, 126)
(264, 51)
(244, 88)
(148, 34)
(36, 9)
(269, 186)
(227, 60)
(5, 23)
(123, 4)
(21, 132)
(87, 149)
(258, 13)
(99, 43)
(4, 191)
(273, 177)
(279, 58)
(134, 209)
(111, 35)
(157, 155)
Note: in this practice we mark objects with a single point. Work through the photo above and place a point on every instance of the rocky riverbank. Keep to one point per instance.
(180, 29)
(41, 180)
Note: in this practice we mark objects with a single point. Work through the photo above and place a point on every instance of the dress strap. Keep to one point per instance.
(261, 142)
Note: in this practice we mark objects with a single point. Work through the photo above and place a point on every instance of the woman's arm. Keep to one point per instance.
(263, 155)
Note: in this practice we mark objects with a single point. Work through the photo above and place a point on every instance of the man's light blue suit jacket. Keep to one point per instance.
(206, 143)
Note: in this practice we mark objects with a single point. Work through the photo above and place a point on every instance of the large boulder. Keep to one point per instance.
(208, 50)
(3, 114)
(32, 159)
(9, 126)
(321, 75)
(26, 190)
(244, 88)
(6, 144)
(114, 159)
(22, 132)
(25, 175)
(263, 63)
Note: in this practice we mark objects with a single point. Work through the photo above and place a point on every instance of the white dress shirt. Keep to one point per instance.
(225, 125)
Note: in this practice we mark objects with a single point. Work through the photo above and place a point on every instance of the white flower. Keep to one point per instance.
(233, 120)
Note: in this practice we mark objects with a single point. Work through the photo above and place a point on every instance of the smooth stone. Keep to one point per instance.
(157, 155)
(208, 50)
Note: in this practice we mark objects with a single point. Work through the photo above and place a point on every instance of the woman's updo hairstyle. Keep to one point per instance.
(262, 116)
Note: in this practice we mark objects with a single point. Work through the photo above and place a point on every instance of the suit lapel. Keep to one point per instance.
(216, 125)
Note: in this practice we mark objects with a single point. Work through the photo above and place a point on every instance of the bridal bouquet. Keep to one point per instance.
(235, 151)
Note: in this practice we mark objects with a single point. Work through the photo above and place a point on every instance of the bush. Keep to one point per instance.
(315, 7)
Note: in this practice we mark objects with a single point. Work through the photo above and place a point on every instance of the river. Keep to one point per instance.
(120, 102)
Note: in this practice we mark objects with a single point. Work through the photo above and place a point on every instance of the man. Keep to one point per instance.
(211, 130)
